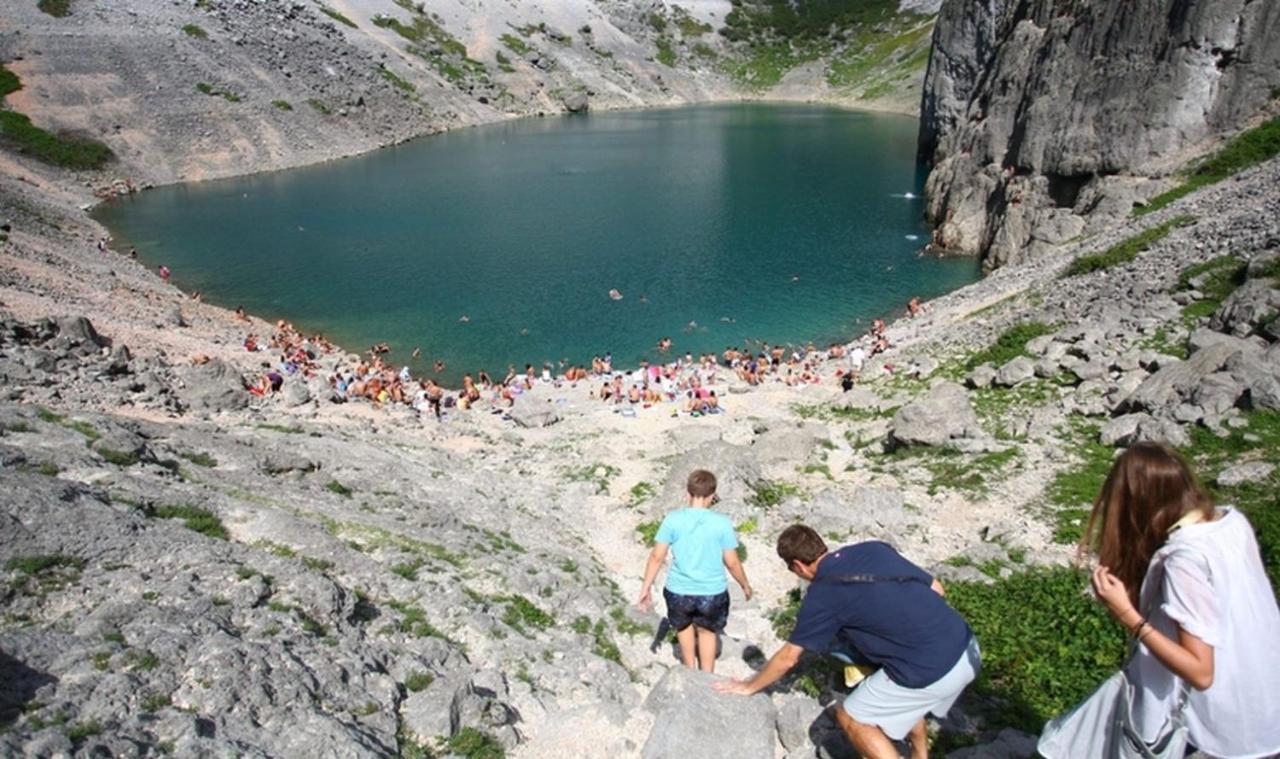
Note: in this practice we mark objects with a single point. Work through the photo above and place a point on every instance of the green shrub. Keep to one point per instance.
(516, 45)
(767, 493)
(666, 53)
(1072, 490)
(338, 488)
(191, 30)
(199, 459)
(323, 109)
(521, 611)
(118, 458)
(396, 81)
(55, 8)
(81, 730)
(1246, 149)
(418, 681)
(470, 743)
(647, 531)
(195, 518)
(414, 621)
(1045, 644)
(283, 105)
(9, 81)
(38, 563)
(66, 151)
(1011, 344)
(1126, 251)
(336, 16)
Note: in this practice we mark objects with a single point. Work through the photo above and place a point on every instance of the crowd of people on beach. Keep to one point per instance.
(690, 384)
(695, 385)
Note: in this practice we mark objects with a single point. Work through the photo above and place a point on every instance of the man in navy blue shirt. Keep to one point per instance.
(868, 604)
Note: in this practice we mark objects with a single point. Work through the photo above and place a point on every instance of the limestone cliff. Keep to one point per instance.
(1045, 119)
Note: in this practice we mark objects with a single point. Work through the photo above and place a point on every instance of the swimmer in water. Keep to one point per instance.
(417, 352)
(464, 319)
(439, 366)
(615, 295)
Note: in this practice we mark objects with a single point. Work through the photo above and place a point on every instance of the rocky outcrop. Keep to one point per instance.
(690, 714)
(1047, 119)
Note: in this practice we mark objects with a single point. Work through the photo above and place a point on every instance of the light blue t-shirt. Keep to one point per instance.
(698, 540)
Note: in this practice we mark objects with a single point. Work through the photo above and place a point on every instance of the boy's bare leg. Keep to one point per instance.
(919, 738)
(685, 638)
(706, 649)
(868, 740)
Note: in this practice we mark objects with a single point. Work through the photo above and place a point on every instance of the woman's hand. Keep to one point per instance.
(1112, 592)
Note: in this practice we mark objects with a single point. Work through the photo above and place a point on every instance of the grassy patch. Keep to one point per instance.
(641, 492)
(1247, 149)
(666, 52)
(647, 532)
(199, 459)
(1011, 344)
(414, 622)
(55, 8)
(283, 105)
(118, 458)
(470, 743)
(66, 151)
(1036, 670)
(600, 474)
(208, 89)
(191, 30)
(767, 493)
(81, 730)
(521, 613)
(194, 518)
(1127, 250)
(953, 470)
(338, 488)
(1072, 490)
(320, 107)
(517, 45)
(337, 16)
(35, 564)
(418, 680)
(396, 81)
(9, 81)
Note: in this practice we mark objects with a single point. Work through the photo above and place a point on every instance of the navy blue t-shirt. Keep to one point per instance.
(904, 627)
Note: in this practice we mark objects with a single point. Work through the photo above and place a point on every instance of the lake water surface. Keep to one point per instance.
(717, 224)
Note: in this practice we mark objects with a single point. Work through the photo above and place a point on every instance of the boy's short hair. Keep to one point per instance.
(701, 483)
(800, 543)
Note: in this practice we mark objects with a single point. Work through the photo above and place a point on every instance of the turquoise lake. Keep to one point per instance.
(717, 224)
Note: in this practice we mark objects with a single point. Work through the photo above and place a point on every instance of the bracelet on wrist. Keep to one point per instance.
(1137, 627)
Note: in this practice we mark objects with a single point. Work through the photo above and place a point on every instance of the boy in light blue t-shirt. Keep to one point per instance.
(702, 546)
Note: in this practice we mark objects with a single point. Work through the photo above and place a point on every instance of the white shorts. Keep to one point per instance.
(896, 709)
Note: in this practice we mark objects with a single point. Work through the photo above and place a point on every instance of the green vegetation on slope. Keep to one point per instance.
(1126, 251)
(1009, 345)
(337, 16)
(18, 133)
(1247, 149)
(55, 8)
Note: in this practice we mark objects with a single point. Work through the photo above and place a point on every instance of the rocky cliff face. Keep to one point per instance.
(1046, 119)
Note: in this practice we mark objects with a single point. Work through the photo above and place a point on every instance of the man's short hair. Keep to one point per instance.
(800, 543)
(701, 483)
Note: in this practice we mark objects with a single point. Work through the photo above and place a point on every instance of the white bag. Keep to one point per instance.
(1101, 727)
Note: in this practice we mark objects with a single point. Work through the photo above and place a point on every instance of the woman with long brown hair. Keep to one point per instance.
(1187, 581)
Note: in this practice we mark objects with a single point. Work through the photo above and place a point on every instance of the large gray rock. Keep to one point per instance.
(1122, 430)
(295, 393)
(944, 414)
(736, 469)
(213, 386)
(1016, 371)
(1176, 381)
(529, 412)
(1239, 474)
(1038, 113)
(868, 513)
(689, 713)
(576, 102)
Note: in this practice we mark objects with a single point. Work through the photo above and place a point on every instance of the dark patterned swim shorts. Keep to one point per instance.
(708, 612)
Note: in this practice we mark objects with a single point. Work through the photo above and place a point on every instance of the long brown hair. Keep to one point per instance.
(1148, 490)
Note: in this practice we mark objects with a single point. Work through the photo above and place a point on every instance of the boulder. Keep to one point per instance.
(295, 393)
(1175, 381)
(1203, 338)
(530, 413)
(981, 377)
(689, 713)
(78, 330)
(213, 386)
(736, 469)
(796, 717)
(576, 102)
(1090, 370)
(1122, 430)
(942, 415)
(1250, 471)
(869, 513)
(1016, 371)
(1167, 431)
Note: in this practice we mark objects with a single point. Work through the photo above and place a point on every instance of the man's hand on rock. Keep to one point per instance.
(736, 687)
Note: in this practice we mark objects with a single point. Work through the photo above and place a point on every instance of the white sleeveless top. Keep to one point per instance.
(1208, 578)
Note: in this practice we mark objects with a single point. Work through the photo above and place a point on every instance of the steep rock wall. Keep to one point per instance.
(1045, 119)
